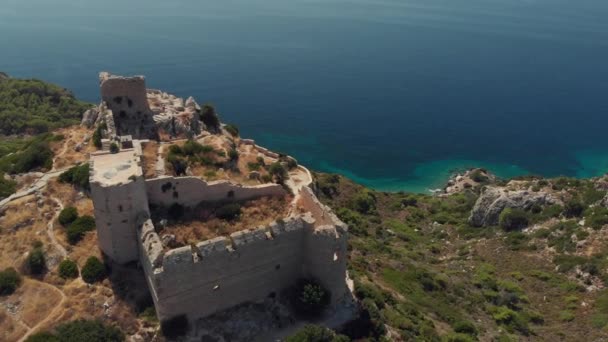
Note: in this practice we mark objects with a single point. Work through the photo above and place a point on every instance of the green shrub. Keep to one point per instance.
(10, 280)
(512, 219)
(233, 154)
(68, 215)
(277, 170)
(364, 202)
(77, 175)
(114, 148)
(465, 327)
(479, 177)
(209, 117)
(79, 227)
(97, 136)
(232, 129)
(43, 337)
(7, 187)
(316, 333)
(597, 217)
(309, 298)
(228, 212)
(566, 316)
(88, 331)
(573, 208)
(68, 269)
(253, 166)
(457, 337)
(93, 271)
(36, 261)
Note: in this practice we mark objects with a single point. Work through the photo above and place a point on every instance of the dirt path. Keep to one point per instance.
(64, 149)
(50, 316)
(50, 228)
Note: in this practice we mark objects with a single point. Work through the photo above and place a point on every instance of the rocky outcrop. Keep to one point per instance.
(89, 118)
(493, 200)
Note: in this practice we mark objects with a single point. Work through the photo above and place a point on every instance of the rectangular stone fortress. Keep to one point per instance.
(202, 278)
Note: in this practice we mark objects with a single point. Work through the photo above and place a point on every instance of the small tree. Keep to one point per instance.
(513, 218)
(114, 148)
(93, 271)
(9, 281)
(68, 215)
(573, 208)
(277, 170)
(89, 331)
(68, 269)
(79, 227)
(309, 298)
(36, 261)
(209, 117)
(232, 129)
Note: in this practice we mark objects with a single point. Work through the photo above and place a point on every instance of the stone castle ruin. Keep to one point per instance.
(223, 269)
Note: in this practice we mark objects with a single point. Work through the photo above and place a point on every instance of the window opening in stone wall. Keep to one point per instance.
(336, 256)
(277, 267)
(216, 287)
(120, 208)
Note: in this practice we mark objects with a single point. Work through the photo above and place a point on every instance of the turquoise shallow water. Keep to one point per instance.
(393, 93)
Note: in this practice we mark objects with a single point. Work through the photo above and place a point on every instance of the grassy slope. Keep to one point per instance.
(435, 278)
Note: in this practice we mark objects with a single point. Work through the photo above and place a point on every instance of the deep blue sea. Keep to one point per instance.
(395, 94)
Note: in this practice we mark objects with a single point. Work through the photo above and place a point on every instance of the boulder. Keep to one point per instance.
(90, 117)
(493, 200)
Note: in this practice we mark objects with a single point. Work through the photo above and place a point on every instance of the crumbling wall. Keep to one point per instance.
(190, 191)
(220, 273)
(325, 247)
(126, 98)
(118, 208)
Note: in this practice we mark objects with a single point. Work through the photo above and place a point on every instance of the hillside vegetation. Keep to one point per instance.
(33, 107)
(423, 273)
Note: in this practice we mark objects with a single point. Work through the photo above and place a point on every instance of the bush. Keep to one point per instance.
(93, 271)
(89, 331)
(316, 333)
(79, 227)
(114, 148)
(511, 219)
(68, 269)
(43, 337)
(597, 218)
(7, 187)
(36, 261)
(68, 215)
(209, 117)
(573, 208)
(364, 202)
(465, 327)
(309, 298)
(277, 170)
(232, 129)
(97, 135)
(9, 281)
(175, 326)
(229, 211)
(77, 175)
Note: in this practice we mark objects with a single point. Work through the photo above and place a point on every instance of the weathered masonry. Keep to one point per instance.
(199, 279)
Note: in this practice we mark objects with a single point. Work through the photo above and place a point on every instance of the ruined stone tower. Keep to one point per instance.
(126, 98)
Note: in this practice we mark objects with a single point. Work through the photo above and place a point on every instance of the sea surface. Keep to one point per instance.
(396, 94)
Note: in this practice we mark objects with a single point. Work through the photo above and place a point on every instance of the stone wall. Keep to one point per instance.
(223, 272)
(190, 191)
(126, 98)
(217, 274)
(118, 211)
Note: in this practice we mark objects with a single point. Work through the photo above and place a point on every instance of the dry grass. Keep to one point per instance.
(36, 300)
(150, 150)
(254, 213)
(65, 150)
(22, 224)
(10, 329)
